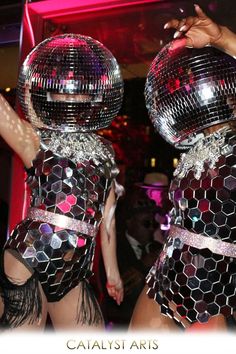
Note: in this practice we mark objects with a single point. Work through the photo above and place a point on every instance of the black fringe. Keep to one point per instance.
(88, 312)
(22, 303)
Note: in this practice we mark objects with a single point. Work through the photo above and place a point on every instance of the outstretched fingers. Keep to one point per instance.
(189, 22)
(181, 26)
(200, 13)
(184, 25)
(174, 23)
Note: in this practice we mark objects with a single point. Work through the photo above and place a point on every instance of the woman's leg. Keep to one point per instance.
(147, 316)
(23, 305)
(78, 309)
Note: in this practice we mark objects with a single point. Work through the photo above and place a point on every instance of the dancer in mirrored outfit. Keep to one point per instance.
(69, 86)
(190, 94)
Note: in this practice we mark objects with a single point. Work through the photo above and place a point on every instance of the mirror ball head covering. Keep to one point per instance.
(70, 82)
(188, 90)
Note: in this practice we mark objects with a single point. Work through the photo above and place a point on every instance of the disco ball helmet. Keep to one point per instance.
(188, 90)
(70, 82)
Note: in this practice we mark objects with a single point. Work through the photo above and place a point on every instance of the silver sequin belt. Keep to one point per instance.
(62, 221)
(200, 241)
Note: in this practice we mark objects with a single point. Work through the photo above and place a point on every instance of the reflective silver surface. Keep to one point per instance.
(71, 83)
(190, 89)
(190, 283)
(78, 190)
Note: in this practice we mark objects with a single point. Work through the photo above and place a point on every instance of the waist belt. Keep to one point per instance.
(200, 241)
(62, 221)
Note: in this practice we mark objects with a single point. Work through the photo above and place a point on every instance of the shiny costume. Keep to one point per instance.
(191, 283)
(69, 86)
(77, 189)
(188, 90)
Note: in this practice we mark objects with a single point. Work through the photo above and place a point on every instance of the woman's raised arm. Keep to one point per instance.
(17, 133)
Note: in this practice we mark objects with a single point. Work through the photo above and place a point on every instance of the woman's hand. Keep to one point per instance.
(115, 289)
(199, 31)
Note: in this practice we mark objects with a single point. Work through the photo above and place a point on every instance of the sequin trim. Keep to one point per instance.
(77, 146)
(62, 221)
(208, 149)
(200, 241)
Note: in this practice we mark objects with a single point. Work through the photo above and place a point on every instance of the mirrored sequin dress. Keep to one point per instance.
(194, 283)
(71, 177)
